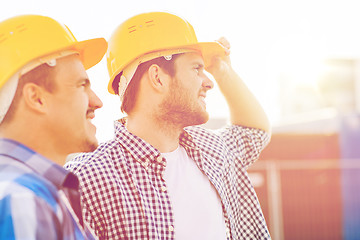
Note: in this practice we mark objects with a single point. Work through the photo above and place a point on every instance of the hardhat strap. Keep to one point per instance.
(8, 90)
(7, 93)
(50, 60)
(129, 71)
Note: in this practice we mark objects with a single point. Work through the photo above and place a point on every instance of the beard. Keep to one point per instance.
(87, 143)
(89, 146)
(180, 109)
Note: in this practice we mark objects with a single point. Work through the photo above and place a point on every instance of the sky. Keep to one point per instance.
(266, 36)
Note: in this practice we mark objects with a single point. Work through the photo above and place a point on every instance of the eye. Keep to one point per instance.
(198, 68)
(84, 83)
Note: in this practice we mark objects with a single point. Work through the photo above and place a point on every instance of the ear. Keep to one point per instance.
(158, 79)
(34, 97)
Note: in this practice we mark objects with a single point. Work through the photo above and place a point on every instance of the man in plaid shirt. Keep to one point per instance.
(162, 176)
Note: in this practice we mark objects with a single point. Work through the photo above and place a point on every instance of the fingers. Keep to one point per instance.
(220, 64)
(225, 43)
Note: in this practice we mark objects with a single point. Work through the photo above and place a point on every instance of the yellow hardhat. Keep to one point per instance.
(153, 32)
(29, 37)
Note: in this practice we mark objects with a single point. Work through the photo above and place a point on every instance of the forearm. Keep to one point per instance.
(244, 108)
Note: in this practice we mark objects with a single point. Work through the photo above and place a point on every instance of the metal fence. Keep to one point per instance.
(309, 199)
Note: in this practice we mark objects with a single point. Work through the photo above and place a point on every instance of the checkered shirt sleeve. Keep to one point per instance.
(246, 143)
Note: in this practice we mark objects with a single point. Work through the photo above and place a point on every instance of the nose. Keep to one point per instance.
(207, 82)
(94, 100)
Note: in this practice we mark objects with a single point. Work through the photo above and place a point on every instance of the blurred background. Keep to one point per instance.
(301, 59)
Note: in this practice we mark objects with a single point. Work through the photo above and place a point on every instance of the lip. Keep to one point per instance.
(90, 114)
(202, 95)
(202, 98)
(89, 120)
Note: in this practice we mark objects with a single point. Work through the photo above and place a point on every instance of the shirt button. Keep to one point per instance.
(171, 228)
(159, 159)
(163, 188)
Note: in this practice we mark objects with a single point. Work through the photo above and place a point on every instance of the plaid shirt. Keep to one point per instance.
(32, 196)
(125, 196)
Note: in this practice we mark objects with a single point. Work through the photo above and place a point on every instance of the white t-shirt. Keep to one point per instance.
(196, 205)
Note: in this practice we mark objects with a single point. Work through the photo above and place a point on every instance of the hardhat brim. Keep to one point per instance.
(207, 49)
(210, 50)
(91, 51)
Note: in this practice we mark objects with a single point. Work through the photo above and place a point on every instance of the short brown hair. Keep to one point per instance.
(131, 91)
(41, 76)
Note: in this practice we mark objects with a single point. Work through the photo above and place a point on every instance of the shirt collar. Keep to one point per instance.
(51, 171)
(140, 149)
(186, 140)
